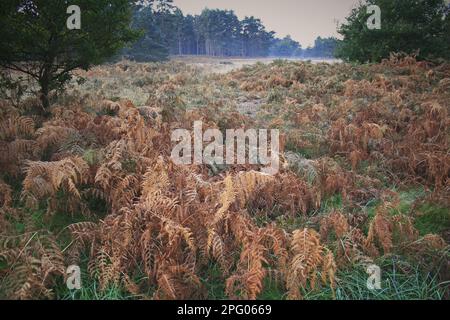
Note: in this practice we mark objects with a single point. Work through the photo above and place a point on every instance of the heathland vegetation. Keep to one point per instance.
(87, 179)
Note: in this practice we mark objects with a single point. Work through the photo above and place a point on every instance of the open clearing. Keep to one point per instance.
(225, 64)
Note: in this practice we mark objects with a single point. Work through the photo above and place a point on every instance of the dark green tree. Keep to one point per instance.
(256, 41)
(216, 29)
(213, 33)
(420, 26)
(150, 46)
(285, 47)
(189, 39)
(35, 40)
(169, 21)
(323, 48)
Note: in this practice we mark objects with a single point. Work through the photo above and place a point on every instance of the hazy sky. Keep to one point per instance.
(304, 20)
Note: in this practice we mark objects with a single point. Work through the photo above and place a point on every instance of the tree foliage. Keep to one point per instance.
(286, 47)
(150, 46)
(323, 48)
(215, 32)
(412, 27)
(35, 39)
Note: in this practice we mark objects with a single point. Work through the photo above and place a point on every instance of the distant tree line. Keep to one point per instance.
(287, 47)
(167, 31)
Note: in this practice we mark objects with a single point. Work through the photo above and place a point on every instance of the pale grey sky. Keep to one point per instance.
(304, 20)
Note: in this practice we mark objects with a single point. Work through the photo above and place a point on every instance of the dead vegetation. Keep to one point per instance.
(352, 132)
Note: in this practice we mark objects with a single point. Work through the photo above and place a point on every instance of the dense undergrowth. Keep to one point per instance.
(365, 180)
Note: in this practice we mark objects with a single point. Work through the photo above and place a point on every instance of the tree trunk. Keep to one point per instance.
(44, 95)
(44, 82)
(44, 99)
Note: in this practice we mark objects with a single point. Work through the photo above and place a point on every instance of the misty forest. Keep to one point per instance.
(167, 31)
